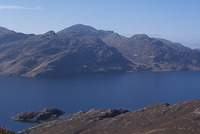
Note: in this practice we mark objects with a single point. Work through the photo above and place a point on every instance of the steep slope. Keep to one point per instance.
(50, 55)
(147, 53)
(180, 118)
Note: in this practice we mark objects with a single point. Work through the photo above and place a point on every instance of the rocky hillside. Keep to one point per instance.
(150, 54)
(180, 118)
(54, 55)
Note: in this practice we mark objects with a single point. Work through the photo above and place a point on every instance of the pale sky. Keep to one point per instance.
(175, 20)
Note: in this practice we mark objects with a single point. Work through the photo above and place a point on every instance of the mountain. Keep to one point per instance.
(53, 55)
(148, 54)
(162, 118)
(82, 49)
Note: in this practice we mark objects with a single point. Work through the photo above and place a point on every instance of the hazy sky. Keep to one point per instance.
(175, 20)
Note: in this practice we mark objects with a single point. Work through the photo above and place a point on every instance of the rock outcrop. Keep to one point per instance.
(41, 116)
(180, 118)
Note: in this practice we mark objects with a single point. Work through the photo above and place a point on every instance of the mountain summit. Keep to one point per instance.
(140, 36)
(79, 28)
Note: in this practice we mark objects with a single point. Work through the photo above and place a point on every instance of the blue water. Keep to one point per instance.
(129, 91)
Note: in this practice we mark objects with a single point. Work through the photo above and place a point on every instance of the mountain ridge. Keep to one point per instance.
(82, 49)
(50, 55)
(152, 54)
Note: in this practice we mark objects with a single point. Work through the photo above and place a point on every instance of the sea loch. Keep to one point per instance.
(128, 91)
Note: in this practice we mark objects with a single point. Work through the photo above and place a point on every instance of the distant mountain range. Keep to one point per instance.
(82, 49)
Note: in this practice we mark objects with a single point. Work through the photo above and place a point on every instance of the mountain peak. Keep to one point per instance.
(140, 36)
(5, 30)
(79, 28)
(50, 33)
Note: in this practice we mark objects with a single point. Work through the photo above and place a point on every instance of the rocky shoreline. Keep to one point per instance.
(180, 118)
(40, 116)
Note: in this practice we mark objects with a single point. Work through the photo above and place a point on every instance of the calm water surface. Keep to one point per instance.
(129, 91)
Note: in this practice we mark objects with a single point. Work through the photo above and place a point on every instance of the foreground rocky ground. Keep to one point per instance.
(5, 131)
(180, 118)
